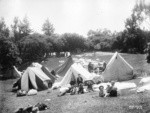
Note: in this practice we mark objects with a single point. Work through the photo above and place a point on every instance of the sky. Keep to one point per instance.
(69, 16)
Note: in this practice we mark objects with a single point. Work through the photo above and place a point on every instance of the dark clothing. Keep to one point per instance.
(108, 89)
(72, 83)
(89, 86)
(53, 72)
(79, 80)
(113, 93)
(90, 67)
(101, 94)
(81, 89)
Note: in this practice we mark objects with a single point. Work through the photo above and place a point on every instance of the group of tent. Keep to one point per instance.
(38, 76)
(117, 69)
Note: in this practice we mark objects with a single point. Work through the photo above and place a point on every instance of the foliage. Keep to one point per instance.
(3, 28)
(73, 42)
(8, 53)
(24, 27)
(100, 40)
(34, 48)
(48, 28)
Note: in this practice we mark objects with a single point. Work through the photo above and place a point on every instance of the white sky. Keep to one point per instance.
(74, 16)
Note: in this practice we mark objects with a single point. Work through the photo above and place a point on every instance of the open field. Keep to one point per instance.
(83, 103)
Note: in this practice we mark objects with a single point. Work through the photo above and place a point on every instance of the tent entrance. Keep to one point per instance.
(40, 84)
(30, 84)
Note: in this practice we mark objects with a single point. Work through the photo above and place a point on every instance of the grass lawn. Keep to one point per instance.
(83, 103)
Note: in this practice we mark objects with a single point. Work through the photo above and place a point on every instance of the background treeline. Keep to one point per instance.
(20, 45)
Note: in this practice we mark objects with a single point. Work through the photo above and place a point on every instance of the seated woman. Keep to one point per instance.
(101, 91)
(89, 86)
(112, 90)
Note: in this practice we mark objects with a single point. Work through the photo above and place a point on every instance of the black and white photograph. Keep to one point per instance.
(74, 56)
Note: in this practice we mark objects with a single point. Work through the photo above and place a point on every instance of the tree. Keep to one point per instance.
(9, 55)
(100, 39)
(48, 28)
(142, 11)
(133, 38)
(142, 8)
(15, 30)
(34, 48)
(3, 28)
(24, 27)
(73, 42)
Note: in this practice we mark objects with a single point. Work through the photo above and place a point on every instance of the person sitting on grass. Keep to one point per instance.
(89, 86)
(108, 89)
(73, 90)
(101, 91)
(90, 67)
(81, 89)
(112, 90)
(79, 79)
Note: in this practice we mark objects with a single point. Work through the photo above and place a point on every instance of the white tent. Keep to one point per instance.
(34, 78)
(117, 69)
(73, 72)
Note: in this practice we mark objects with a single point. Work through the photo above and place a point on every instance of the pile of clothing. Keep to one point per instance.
(32, 109)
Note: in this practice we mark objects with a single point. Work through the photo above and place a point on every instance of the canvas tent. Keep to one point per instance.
(61, 70)
(45, 70)
(117, 69)
(34, 78)
(48, 73)
(73, 72)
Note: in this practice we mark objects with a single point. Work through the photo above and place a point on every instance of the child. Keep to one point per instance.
(89, 86)
(101, 91)
(108, 90)
(73, 90)
(81, 89)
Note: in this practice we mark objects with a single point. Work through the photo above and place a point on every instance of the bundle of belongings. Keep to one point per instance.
(32, 109)
(28, 93)
(74, 89)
